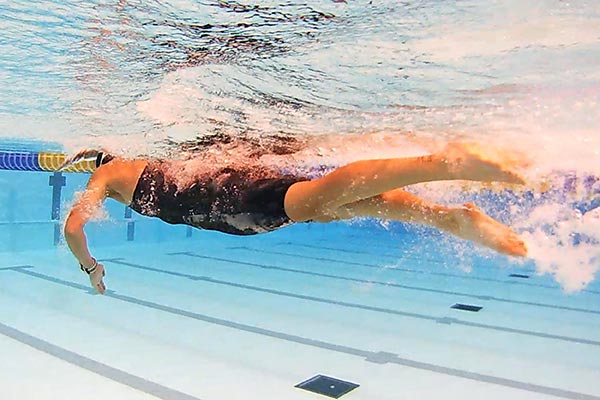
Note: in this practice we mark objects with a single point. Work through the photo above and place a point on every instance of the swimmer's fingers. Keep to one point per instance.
(101, 287)
(96, 279)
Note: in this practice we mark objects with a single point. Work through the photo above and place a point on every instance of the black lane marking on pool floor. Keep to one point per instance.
(389, 284)
(466, 307)
(371, 356)
(394, 269)
(106, 371)
(519, 276)
(441, 320)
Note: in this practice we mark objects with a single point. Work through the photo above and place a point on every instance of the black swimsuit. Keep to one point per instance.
(236, 201)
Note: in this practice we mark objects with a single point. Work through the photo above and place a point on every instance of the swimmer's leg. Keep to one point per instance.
(368, 178)
(466, 222)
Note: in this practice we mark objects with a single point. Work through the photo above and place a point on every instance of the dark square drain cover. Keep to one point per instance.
(327, 386)
(466, 307)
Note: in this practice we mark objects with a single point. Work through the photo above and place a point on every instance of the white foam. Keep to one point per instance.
(551, 231)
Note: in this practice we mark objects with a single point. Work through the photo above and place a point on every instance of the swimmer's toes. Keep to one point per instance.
(517, 248)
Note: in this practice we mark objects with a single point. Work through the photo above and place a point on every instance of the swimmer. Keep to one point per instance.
(246, 200)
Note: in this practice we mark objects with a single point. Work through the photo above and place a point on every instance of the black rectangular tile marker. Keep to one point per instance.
(519, 276)
(327, 386)
(466, 307)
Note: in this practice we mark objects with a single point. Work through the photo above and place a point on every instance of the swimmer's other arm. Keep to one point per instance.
(84, 208)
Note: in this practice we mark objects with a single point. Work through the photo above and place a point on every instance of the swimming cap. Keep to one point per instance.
(97, 156)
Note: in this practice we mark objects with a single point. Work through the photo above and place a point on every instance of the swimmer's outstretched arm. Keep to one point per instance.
(84, 208)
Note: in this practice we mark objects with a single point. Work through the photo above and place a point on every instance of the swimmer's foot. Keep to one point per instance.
(469, 162)
(472, 224)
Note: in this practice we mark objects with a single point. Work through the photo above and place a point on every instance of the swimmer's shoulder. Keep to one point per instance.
(119, 177)
(120, 170)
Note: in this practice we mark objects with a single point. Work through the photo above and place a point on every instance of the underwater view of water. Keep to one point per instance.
(349, 80)
(403, 311)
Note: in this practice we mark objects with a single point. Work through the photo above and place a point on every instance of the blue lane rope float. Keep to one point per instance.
(46, 162)
(20, 161)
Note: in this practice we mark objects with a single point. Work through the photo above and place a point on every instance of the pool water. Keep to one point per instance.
(403, 312)
(202, 315)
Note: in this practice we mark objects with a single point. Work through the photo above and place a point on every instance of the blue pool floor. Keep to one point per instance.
(217, 317)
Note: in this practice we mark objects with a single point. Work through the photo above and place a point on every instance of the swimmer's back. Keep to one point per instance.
(239, 200)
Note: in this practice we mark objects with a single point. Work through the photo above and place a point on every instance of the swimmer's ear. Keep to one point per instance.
(83, 155)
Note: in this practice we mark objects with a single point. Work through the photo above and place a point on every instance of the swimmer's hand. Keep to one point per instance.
(96, 279)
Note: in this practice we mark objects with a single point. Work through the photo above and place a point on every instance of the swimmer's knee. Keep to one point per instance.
(299, 203)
